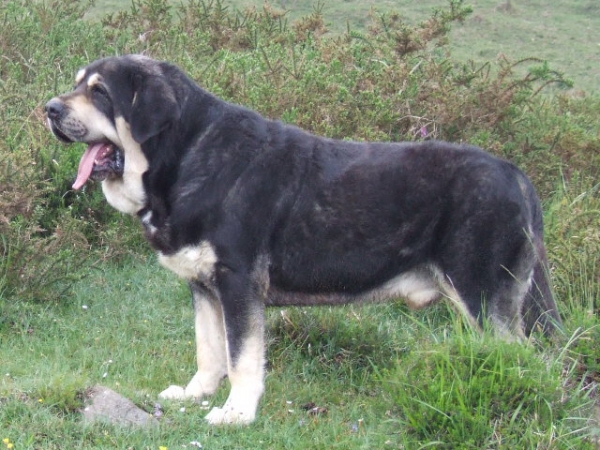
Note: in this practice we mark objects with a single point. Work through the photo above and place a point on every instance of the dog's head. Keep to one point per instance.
(118, 104)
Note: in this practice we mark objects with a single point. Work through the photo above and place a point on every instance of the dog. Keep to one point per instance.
(253, 212)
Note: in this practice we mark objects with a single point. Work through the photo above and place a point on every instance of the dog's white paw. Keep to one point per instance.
(229, 415)
(173, 393)
(240, 408)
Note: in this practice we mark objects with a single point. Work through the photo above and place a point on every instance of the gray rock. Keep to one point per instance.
(104, 404)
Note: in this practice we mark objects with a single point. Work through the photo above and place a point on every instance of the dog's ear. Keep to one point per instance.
(154, 107)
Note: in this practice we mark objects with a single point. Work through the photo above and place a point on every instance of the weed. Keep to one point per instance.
(63, 393)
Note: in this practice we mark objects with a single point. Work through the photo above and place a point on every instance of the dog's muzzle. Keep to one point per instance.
(56, 111)
(102, 159)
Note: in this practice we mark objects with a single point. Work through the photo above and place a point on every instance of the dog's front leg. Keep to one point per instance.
(243, 311)
(210, 347)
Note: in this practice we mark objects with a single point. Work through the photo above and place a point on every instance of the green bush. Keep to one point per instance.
(47, 230)
(391, 81)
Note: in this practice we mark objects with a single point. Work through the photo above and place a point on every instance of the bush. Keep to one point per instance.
(393, 81)
(46, 228)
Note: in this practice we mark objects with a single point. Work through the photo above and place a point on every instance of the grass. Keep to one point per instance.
(387, 378)
(149, 310)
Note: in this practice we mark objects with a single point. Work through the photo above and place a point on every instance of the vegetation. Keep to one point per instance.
(83, 301)
(559, 31)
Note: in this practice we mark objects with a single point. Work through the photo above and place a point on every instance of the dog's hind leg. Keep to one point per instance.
(492, 280)
(500, 306)
(243, 310)
(210, 347)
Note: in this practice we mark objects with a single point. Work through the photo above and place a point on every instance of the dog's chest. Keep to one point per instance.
(194, 262)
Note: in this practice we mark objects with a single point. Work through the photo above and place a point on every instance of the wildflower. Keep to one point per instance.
(162, 447)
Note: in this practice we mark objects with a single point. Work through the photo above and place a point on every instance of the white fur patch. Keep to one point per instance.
(173, 392)
(240, 407)
(191, 262)
(97, 126)
(418, 287)
(211, 347)
(421, 287)
(127, 194)
(147, 221)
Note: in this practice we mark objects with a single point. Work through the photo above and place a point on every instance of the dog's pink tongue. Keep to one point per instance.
(86, 165)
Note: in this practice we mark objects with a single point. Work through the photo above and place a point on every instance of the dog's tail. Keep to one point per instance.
(539, 309)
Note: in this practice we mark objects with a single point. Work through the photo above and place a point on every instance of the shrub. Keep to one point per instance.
(392, 81)
(46, 229)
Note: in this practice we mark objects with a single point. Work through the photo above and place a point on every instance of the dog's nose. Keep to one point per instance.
(55, 108)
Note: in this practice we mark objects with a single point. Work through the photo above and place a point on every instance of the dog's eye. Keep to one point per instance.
(98, 91)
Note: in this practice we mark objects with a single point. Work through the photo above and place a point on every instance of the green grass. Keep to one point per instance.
(136, 336)
(387, 377)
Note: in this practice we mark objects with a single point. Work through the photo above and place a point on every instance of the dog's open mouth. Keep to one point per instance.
(100, 161)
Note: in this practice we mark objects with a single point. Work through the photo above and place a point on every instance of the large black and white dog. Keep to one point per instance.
(254, 212)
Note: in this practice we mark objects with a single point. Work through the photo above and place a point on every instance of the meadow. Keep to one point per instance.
(560, 32)
(83, 301)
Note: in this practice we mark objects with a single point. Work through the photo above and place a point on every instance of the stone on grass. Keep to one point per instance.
(104, 404)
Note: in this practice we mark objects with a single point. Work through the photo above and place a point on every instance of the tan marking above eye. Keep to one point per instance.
(80, 76)
(94, 80)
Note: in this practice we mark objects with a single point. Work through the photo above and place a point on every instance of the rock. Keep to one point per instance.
(104, 404)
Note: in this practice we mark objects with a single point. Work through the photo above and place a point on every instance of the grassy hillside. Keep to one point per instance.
(84, 302)
(561, 32)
